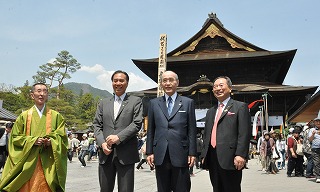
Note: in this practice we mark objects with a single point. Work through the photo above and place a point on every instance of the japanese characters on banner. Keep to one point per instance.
(162, 64)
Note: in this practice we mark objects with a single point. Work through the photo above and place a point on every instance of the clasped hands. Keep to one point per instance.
(239, 162)
(107, 145)
(43, 141)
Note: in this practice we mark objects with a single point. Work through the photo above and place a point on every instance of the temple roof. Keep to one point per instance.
(7, 115)
(213, 37)
(215, 51)
(206, 86)
(308, 111)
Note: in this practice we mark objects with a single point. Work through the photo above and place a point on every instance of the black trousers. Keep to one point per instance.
(170, 178)
(108, 172)
(70, 154)
(295, 164)
(221, 179)
(3, 156)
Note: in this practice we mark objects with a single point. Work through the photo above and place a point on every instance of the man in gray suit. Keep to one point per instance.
(171, 143)
(117, 121)
(226, 138)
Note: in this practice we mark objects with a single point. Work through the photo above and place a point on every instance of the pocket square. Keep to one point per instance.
(181, 111)
(230, 113)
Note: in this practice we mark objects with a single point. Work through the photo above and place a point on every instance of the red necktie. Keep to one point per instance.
(214, 128)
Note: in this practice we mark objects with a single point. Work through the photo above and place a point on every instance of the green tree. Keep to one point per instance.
(86, 107)
(63, 107)
(17, 99)
(59, 70)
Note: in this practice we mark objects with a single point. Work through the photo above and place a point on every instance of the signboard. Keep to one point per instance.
(162, 63)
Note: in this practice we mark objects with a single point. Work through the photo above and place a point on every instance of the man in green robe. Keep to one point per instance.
(38, 143)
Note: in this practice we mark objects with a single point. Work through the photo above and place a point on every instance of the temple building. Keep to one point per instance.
(256, 73)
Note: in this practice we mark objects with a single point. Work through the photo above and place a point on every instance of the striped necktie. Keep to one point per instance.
(170, 103)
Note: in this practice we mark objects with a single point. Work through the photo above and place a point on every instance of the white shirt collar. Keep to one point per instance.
(173, 97)
(40, 112)
(121, 97)
(224, 102)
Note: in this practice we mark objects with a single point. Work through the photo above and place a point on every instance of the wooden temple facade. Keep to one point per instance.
(214, 51)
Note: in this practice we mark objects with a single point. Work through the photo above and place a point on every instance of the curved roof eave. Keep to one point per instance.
(220, 55)
(308, 111)
(220, 27)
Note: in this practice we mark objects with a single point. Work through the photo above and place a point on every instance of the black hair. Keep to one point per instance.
(9, 125)
(34, 85)
(120, 71)
(229, 82)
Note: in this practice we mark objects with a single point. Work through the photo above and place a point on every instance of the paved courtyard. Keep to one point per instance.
(86, 179)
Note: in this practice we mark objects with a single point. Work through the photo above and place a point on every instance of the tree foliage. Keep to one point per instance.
(58, 70)
(86, 107)
(78, 110)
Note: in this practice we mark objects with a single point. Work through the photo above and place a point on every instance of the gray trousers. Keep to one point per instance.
(316, 162)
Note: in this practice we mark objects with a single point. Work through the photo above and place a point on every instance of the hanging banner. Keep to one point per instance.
(162, 62)
(266, 113)
(255, 123)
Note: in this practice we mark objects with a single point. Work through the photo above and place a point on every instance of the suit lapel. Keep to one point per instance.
(226, 109)
(214, 111)
(109, 107)
(175, 109)
(177, 105)
(163, 106)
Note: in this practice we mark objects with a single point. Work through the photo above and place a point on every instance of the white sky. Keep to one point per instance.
(105, 35)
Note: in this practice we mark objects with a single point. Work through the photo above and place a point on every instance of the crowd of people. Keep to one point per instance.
(300, 149)
(34, 154)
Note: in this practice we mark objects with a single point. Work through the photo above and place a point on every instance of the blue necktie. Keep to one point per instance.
(169, 105)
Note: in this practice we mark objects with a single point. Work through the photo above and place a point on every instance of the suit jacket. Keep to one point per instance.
(233, 133)
(126, 125)
(177, 132)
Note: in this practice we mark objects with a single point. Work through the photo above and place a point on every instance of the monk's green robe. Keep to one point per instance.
(23, 154)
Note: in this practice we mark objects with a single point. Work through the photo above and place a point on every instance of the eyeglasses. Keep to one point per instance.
(218, 85)
(39, 91)
(169, 80)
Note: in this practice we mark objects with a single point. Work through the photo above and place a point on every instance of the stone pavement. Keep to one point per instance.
(86, 179)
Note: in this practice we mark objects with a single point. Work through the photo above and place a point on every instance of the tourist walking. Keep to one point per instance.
(84, 146)
(314, 137)
(295, 161)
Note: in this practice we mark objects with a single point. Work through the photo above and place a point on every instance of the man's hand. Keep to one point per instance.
(39, 141)
(239, 162)
(46, 142)
(191, 160)
(150, 160)
(294, 155)
(112, 139)
(106, 148)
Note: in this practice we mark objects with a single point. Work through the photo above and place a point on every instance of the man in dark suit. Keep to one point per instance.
(117, 121)
(171, 143)
(226, 139)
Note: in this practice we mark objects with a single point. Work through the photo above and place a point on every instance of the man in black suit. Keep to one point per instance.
(226, 138)
(171, 143)
(117, 121)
